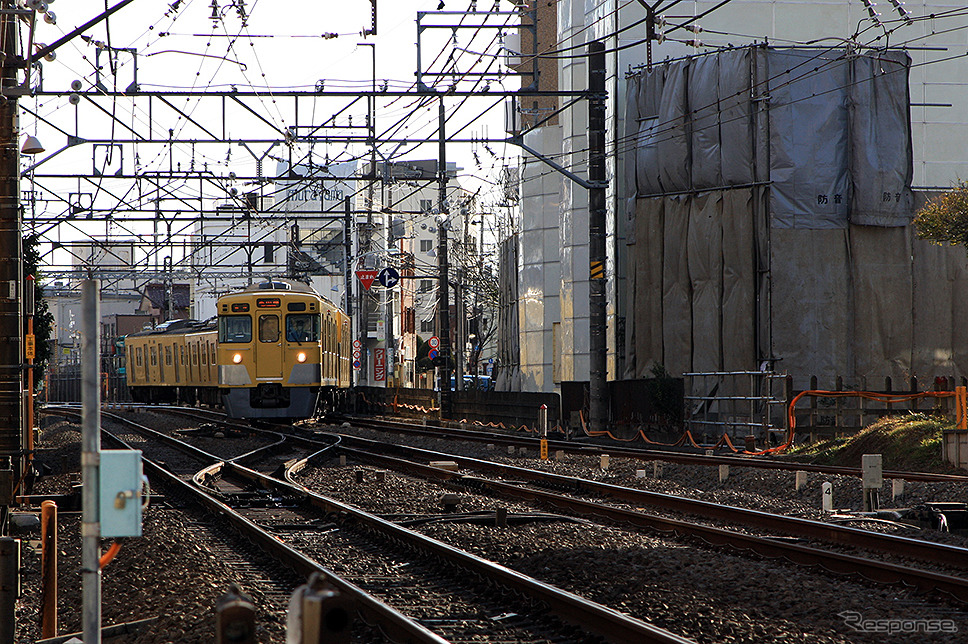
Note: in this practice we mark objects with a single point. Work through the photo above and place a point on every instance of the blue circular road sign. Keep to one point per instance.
(388, 277)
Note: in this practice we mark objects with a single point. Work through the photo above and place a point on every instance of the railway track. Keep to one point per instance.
(446, 594)
(572, 447)
(511, 485)
(506, 481)
(543, 484)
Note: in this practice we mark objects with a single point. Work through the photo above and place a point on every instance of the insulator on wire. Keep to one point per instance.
(901, 11)
(872, 11)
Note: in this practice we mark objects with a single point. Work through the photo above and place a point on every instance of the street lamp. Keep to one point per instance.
(32, 145)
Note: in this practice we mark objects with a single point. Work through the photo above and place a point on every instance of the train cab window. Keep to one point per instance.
(235, 328)
(154, 356)
(137, 356)
(268, 328)
(168, 356)
(302, 328)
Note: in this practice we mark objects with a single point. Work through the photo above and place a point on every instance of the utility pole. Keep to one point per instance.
(597, 385)
(347, 255)
(11, 258)
(443, 304)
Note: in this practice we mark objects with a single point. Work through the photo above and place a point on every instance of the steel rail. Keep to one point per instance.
(647, 454)
(874, 570)
(843, 535)
(609, 623)
(397, 626)
(570, 608)
(926, 551)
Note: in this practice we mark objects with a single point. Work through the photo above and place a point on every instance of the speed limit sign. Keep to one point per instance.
(433, 342)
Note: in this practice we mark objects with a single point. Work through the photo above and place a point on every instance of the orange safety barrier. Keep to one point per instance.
(687, 437)
(870, 395)
(725, 439)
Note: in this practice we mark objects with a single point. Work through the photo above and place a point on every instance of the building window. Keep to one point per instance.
(426, 326)
(426, 205)
(426, 286)
(426, 244)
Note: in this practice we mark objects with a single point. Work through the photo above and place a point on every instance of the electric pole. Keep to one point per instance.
(597, 381)
(443, 304)
(11, 259)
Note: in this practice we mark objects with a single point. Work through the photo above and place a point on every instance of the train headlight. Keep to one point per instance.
(237, 358)
(301, 356)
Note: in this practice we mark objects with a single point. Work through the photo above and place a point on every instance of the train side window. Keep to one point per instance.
(234, 328)
(213, 354)
(137, 356)
(168, 356)
(154, 356)
(268, 328)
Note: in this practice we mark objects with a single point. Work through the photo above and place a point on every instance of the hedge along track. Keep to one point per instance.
(375, 453)
(570, 611)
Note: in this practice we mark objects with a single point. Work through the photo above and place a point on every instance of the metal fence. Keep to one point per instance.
(736, 403)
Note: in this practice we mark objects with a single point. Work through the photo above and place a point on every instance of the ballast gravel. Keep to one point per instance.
(170, 576)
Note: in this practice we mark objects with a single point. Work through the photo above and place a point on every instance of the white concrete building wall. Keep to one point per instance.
(540, 264)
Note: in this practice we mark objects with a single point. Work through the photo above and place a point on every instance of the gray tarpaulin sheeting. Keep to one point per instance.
(818, 270)
(647, 161)
(940, 309)
(705, 258)
(704, 105)
(670, 131)
(880, 128)
(677, 314)
(735, 126)
(882, 292)
(739, 281)
(810, 294)
(646, 261)
(808, 139)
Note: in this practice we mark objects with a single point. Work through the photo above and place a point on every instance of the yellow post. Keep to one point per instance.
(30, 352)
(544, 449)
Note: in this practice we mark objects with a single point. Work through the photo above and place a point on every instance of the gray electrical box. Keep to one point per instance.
(120, 493)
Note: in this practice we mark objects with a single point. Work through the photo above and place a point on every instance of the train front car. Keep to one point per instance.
(273, 350)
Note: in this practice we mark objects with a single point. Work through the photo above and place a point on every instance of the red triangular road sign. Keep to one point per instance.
(366, 278)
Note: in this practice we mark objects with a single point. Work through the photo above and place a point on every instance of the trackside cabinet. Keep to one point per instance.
(120, 493)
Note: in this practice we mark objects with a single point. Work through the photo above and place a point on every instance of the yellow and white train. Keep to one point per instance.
(276, 350)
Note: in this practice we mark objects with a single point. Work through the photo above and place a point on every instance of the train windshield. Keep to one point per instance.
(302, 328)
(234, 328)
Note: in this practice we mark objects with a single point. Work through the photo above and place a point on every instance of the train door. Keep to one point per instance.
(268, 350)
(175, 363)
